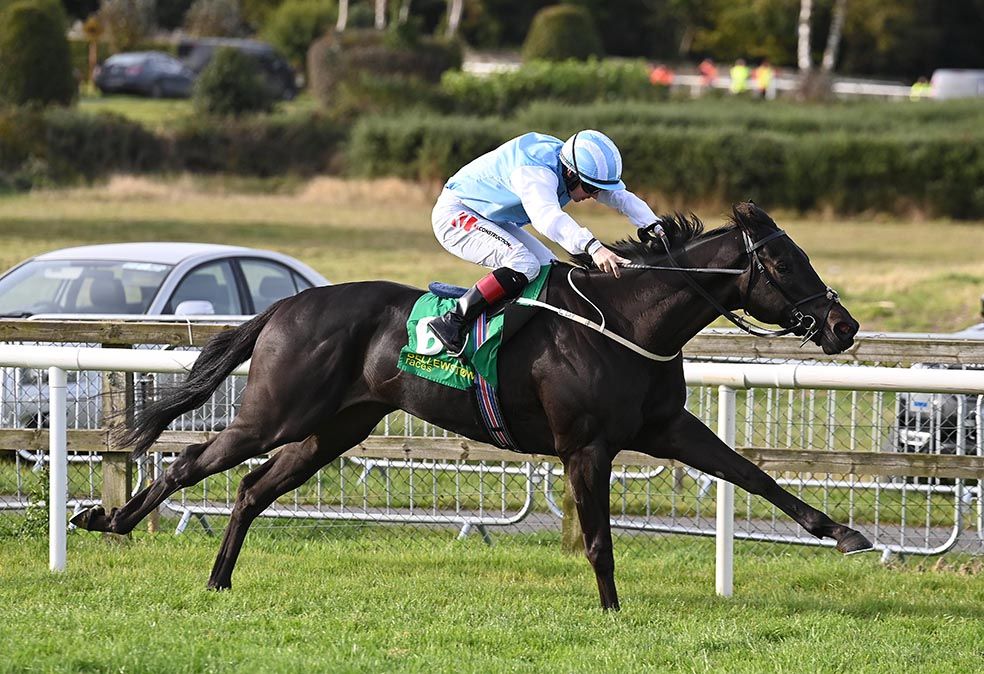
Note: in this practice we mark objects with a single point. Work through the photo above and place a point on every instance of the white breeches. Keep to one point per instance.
(465, 233)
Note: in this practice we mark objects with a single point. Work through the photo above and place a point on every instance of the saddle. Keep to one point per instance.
(424, 355)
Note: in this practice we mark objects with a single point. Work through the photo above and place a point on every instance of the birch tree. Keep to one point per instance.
(380, 14)
(342, 15)
(833, 38)
(803, 58)
(404, 11)
(455, 8)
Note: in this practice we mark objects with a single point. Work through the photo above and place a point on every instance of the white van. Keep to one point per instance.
(957, 83)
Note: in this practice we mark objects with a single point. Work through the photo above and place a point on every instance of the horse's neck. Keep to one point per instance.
(659, 310)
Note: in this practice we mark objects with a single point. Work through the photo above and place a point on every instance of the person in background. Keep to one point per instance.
(661, 76)
(708, 73)
(480, 215)
(920, 89)
(764, 75)
(739, 77)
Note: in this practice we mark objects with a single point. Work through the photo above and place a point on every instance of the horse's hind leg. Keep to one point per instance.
(255, 431)
(690, 441)
(286, 470)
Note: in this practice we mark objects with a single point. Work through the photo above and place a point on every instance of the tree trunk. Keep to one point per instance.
(455, 8)
(342, 15)
(405, 11)
(380, 14)
(803, 58)
(833, 39)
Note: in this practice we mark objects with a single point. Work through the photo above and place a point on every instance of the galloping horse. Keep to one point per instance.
(324, 372)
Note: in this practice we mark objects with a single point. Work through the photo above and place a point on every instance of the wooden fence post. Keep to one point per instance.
(117, 400)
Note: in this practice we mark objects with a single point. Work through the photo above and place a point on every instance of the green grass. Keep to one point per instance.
(893, 275)
(322, 604)
(163, 113)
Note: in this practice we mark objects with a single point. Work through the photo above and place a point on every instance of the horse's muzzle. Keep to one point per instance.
(838, 334)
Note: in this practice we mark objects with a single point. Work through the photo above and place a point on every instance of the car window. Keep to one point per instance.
(213, 282)
(80, 286)
(267, 282)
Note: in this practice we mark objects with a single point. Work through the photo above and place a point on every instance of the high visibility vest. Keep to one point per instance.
(739, 79)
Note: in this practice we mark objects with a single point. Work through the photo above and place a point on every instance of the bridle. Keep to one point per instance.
(801, 323)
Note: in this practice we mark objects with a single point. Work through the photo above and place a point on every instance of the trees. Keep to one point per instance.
(35, 64)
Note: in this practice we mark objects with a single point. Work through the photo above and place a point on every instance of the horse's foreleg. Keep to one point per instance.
(588, 471)
(688, 440)
(289, 468)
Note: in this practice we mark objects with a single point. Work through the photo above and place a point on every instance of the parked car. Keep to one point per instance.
(934, 423)
(279, 76)
(183, 279)
(153, 278)
(145, 73)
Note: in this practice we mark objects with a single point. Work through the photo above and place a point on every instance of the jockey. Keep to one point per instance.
(481, 212)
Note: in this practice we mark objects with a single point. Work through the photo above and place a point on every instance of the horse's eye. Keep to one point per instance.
(782, 268)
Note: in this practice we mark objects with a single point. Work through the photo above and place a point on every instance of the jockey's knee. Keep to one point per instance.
(528, 267)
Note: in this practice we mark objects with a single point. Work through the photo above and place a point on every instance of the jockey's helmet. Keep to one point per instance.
(593, 157)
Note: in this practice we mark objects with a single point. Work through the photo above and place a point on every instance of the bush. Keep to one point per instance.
(938, 172)
(87, 145)
(568, 81)
(232, 84)
(422, 147)
(127, 22)
(216, 18)
(35, 63)
(22, 148)
(258, 146)
(296, 24)
(562, 32)
(380, 60)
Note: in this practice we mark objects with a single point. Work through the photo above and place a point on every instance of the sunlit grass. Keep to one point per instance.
(894, 276)
(323, 603)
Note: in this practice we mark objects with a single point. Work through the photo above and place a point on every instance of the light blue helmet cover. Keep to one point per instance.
(594, 158)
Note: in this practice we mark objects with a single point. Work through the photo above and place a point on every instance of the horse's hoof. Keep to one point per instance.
(91, 519)
(854, 543)
(217, 586)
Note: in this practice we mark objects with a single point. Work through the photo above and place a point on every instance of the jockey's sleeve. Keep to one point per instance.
(629, 205)
(536, 187)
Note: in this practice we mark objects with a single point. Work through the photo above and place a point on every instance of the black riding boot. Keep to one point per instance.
(452, 328)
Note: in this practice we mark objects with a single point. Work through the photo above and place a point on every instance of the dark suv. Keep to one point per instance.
(280, 77)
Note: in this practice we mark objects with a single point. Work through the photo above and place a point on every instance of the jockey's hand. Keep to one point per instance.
(607, 261)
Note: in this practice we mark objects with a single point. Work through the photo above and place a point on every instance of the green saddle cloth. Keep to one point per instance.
(425, 357)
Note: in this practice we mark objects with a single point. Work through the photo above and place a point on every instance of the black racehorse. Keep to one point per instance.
(324, 372)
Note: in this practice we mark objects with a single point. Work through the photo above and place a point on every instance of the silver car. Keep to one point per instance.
(159, 279)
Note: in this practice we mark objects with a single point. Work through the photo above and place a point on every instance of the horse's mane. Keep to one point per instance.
(680, 229)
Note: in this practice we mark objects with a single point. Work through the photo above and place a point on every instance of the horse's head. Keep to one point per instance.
(783, 288)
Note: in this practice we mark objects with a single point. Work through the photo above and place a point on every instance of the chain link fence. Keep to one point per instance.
(436, 484)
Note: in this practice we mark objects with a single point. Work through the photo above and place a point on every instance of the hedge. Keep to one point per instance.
(568, 81)
(895, 170)
(64, 145)
(943, 175)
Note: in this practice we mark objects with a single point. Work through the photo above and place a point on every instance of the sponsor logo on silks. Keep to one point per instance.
(464, 220)
(495, 236)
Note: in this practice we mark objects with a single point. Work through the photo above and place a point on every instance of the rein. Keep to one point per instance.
(599, 328)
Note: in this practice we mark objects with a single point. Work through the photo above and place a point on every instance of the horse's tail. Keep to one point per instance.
(221, 355)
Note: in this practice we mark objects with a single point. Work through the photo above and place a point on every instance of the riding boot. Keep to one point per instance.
(452, 328)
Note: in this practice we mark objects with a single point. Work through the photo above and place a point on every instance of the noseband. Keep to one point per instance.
(800, 323)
